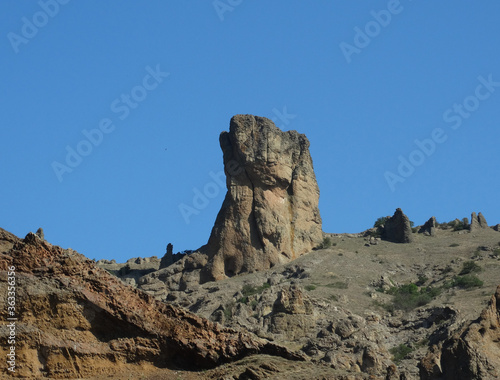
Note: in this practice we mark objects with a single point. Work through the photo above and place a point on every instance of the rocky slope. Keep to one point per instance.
(76, 320)
(472, 352)
(337, 305)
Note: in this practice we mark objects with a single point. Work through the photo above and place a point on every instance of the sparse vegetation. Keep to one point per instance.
(459, 225)
(468, 281)
(408, 297)
(338, 285)
(400, 352)
(470, 267)
(326, 243)
(249, 290)
(422, 279)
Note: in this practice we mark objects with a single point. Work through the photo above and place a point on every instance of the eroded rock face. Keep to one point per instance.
(76, 320)
(397, 228)
(477, 222)
(429, 228)
(473, 352)
(270, 214)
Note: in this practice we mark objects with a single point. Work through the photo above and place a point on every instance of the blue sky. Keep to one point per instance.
(399, 100)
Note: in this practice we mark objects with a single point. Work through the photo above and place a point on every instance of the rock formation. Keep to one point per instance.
(471, 353)
(397, 228)
(40, 233)
(168, 258)
(429, 227)
(477, 222)
(76, 320)
(270, 213)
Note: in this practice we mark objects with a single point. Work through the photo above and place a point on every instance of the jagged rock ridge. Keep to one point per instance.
(270, 213)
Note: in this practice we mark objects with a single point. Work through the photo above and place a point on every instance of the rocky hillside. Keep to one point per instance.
(270, 296)
(75, 320)
(362, 304)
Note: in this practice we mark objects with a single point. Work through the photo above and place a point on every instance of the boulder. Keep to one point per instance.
(270, 213)
(397, 228)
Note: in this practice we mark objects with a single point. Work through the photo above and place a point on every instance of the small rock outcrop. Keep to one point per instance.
(40, 233)
(477, 222)
(292, 314)
(429, 227)
(270, 213)
(397, 229)
(470, 353)
(168, 258)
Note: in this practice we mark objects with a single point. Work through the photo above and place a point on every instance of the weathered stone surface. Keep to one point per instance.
(482, 220)
(40, 233)
(270, 213)
(473, 352)
(477, 222)
(76, 320)
(292, 314)
(397, 228)
(429, 227)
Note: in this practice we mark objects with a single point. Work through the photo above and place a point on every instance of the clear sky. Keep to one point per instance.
(111, 112)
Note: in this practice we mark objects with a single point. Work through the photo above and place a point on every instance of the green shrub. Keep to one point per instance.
(422, 279)
(459, 226)
(310, 287)
(408, 297)
(243, 300)
(380, 221)
(454, 245)
(468, 281)
(326, 243)
(400, 352)
(249, 290)
(470, 267)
